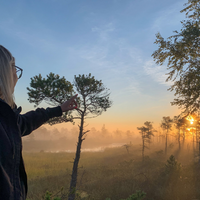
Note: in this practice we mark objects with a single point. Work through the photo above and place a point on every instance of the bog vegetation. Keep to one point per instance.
(117, 174)
(164, 165)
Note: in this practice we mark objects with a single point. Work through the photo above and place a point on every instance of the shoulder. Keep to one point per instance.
(6, 111)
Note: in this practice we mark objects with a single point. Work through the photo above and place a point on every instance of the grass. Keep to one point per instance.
(113, 173)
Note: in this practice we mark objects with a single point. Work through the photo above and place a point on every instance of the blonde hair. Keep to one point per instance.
(6, 76)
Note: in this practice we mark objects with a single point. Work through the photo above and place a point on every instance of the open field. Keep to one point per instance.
(116, 174)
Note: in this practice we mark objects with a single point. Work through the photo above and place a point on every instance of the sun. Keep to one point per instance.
(190, 119)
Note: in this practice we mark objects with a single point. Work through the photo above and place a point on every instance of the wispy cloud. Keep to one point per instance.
(115, 60)
(104, 31)
(157, 73)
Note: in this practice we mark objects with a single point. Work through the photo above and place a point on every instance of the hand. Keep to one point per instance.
(69, 104)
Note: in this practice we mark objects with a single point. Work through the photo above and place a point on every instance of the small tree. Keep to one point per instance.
(180, 125)
(93, 100)
(127, 146)
(172, 166)
(193, 126)
(166, 125)
(146, 133)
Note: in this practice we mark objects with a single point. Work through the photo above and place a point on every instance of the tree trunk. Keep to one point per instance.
(166, 144)
(179, 140)
(183, 138)
(72, 189)
(196, 141)
(193, 145)
(199, 148)
(143, 150)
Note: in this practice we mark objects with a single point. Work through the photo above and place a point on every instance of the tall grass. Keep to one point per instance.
(113, 174)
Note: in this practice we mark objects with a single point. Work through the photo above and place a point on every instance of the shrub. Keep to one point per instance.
(48, 196)
(172, 166)
(138, 195)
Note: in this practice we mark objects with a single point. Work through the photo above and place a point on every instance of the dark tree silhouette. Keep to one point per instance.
(146, 132)
(181, 52)
(93, 100)
(54, 90)
(180, 124)
(166, 125)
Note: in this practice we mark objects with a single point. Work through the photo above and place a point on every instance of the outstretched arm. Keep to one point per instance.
(34, 119)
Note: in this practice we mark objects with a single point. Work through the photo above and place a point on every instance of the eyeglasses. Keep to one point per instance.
(19, 72)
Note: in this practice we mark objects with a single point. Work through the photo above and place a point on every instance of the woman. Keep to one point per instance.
(13, 125)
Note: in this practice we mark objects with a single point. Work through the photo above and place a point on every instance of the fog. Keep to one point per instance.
(109, 172)
(55, 140)
(65, 140)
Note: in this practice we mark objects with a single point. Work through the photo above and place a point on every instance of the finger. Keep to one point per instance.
(75, 103)
(71, 100)
(72, 103)
(72, 108)
(74, 97)
(75, 106)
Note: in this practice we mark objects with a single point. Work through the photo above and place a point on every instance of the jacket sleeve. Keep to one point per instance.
(34, 119)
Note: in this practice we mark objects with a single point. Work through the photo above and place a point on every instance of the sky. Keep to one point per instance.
(111, 39)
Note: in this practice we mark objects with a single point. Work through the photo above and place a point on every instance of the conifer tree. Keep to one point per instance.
(93, 100)
(166, 125)
(146, 132)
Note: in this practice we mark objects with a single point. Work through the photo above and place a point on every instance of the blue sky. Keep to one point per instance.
(111, 39)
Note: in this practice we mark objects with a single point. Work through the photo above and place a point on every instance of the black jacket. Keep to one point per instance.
(13, 125)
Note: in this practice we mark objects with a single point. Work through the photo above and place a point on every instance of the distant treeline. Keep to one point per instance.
(44, 139)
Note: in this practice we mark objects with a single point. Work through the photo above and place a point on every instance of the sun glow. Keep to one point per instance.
(190, 118)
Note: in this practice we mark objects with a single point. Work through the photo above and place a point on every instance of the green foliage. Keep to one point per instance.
(182, 52)
(94, 96)
(172, 166)
(146, 132)
(138, 195)
(54, 90)
(48, 196)
(180, 122)
(166, 123)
